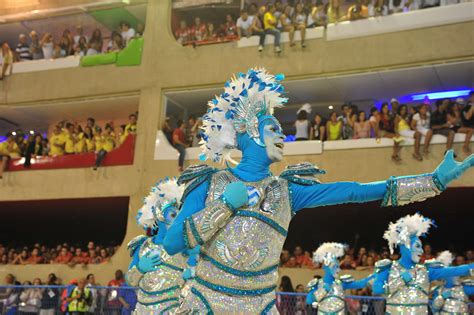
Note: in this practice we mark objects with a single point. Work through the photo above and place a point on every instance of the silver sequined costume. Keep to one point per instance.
(411, 298)
(328, 302)
(240, 250)
(159, 290)
(456, 303)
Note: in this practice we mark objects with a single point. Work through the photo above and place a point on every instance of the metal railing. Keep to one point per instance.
(104, 300)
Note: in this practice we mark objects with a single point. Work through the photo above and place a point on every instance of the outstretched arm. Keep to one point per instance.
(335, 193)
(359, 284)
(195, 201)
(395, 191)
(447, 272)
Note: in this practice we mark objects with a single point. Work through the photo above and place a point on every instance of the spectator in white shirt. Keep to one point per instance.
(421, 123)
(79, 34)
(244, 24)
(47, 45)
(127, 32)
(23, 49)
(302, 125)
(378, 8)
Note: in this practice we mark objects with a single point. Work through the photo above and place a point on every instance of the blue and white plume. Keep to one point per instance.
(246, 97)
(329, 252)
(400, 232)
(164, 193)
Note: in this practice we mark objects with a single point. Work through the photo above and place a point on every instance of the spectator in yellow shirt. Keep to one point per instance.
(107, 145)
(8, 149)
(122, 135)
(131, 127)
(80, 141)
(270, 25)
(68, 139)
(56, 142)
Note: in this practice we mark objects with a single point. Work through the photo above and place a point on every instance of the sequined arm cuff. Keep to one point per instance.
(133, 276)
(200, 227)
(471, 272)
(408, 189)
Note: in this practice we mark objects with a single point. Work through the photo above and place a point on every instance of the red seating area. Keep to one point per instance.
(123, 155)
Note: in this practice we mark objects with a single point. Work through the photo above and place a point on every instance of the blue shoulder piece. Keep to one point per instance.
(135, 243)
(383, 265)
(303, 174)
(195, 175)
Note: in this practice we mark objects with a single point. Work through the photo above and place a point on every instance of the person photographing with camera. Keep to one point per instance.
(79, 299)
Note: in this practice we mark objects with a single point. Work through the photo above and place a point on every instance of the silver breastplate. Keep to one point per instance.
(457, 303)
(409, 298)
(330, 302)
(244, 254)
(166, 281)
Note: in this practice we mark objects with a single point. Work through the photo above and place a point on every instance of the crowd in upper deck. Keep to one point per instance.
(275, 17)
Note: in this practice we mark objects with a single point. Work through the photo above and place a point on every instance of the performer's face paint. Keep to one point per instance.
(273, 138)
(416, 249)
(169, 213)
(333, 268)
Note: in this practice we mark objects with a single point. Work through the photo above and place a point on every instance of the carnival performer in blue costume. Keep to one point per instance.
(406, 282)
(452, 297)
(327, 294)
(241, 215)
(158, 275)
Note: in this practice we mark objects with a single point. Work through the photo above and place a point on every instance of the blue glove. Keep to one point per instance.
(310, 297)
(406, 276)
(450, 169)
(236, 195)
(189, 273)
(194, 251)
(149, 262)
(327, 287)
(446, 295)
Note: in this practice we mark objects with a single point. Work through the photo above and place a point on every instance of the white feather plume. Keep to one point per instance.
(162, 193)
(306, 107)
(328, 251)
(236, 110)
(446, 258)
(400, 232)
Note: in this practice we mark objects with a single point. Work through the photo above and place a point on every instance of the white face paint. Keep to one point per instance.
(416, 250)
(273, 140)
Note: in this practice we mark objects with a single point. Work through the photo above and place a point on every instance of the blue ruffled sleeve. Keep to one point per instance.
(447, 272)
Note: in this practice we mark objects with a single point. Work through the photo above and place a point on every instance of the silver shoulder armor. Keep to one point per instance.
(312, 284)
(195, 175)
(383, 265)
(135, 243)
(346, 278)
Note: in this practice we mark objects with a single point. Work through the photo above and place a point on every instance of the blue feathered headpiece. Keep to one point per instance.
(246, 98)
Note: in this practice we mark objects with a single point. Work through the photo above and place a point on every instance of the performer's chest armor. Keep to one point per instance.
(457, 303)
(413, 297)
(252, 239)
(331, 302)
(165, 277)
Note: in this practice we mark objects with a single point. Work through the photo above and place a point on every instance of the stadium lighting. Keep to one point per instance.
(439, 95)
(32, 132)
(331, 107)
(13, 133)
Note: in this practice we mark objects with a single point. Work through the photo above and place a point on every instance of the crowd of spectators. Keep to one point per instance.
(45, 46)
(60, 254)
(292, 16)
(79, 296)
(66, 138)
(395, 121)
(361, 258)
